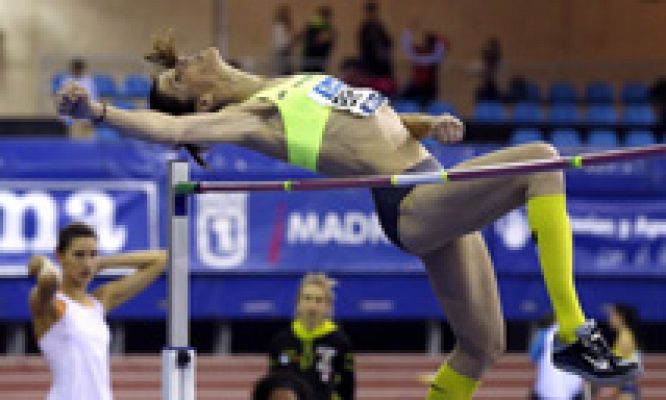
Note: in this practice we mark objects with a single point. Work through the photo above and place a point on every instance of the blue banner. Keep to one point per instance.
(249, 249)
(611, 236)
(618, 212)
(335, 230)
(124, 213)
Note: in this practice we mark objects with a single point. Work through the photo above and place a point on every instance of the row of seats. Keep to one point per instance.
(132, 85)
(593, 93)
(596, 93)
(602, 138)
(137, 85)
(533, 113)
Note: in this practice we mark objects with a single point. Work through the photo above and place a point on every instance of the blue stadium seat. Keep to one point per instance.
(136, 85)
(439, 108)
(601, 115)
(564, 114)
(529, 113)
(634, 93)
(406, 106)
(106, 85)
(599, 93)
(566, 137)
(526, 135)
(638, 115)
(56, 82)
(639, 137)
(605, 138)
(489, 112)
(562, 92)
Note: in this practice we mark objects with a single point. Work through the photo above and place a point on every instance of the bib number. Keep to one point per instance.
(334, 93)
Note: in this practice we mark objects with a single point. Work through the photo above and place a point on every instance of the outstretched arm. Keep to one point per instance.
(149, 265)
(444, 128)
(225, 126)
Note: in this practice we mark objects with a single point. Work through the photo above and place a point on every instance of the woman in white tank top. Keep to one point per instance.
(69, 322)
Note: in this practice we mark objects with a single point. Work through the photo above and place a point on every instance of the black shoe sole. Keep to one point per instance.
(603, 381)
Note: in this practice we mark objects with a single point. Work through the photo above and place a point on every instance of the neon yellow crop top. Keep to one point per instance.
(304, 119)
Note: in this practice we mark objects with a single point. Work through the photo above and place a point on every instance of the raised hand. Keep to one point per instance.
(447, 129)
(74, 101)
(41, 268)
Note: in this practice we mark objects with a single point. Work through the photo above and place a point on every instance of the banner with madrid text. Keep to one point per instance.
(618, 212)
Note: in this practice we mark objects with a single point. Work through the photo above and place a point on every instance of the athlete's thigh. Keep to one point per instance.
(435, 214)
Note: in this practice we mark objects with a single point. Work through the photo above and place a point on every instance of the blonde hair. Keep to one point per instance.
(318, 279)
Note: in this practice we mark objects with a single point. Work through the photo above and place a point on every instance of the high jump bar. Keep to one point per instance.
(462, 174)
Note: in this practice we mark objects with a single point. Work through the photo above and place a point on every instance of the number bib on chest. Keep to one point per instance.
(338, 95)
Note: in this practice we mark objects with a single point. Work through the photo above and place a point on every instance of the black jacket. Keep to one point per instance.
(323, 357)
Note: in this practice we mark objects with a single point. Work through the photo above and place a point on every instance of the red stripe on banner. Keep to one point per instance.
(278, 234)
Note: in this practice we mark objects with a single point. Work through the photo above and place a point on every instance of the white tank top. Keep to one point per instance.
(552, 383)
(77, 351)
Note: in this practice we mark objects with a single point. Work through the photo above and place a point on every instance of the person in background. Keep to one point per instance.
(313, 346)
(352, 72)
(551, 383)
(282, 385)
(318, 40)
(68, 320)
(624, 321)
(283, 31)
(491, 60)
(518, 90)
(657, 96)
(426, 59)
(376, 51)
(78, 73)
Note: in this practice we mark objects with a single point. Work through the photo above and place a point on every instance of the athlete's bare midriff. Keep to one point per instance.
(352, 145)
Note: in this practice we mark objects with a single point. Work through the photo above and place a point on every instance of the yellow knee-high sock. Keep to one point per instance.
(547, 216)
(450, 385)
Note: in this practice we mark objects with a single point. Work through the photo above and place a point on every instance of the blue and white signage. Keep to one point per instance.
(124, 214)
(334, 230)
(611, 236)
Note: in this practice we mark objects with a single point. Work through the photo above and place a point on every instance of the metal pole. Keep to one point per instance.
(16, 338)
(178, 359)
(178, 334)
(434, 339)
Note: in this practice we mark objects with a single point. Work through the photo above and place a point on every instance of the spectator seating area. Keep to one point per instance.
(565, 113)
(600, 138)
(598, 104)
(598, 116)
